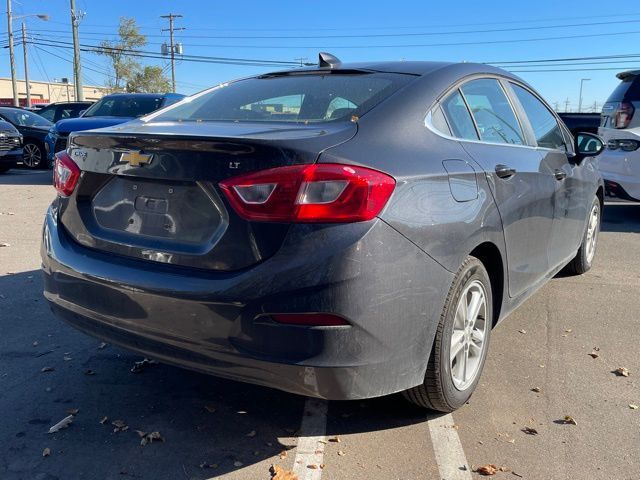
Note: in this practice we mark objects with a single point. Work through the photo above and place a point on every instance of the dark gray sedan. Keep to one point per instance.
(343, 231)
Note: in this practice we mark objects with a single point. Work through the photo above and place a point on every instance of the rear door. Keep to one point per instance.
(570, 197)
(520, 180)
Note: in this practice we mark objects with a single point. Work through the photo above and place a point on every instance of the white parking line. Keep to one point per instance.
(450, 457)
(311, 438)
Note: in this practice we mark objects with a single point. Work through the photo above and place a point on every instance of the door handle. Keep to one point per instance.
(504, 171)
(559, 174)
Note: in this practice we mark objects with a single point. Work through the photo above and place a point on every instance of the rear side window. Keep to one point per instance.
(496, 121)
(459, 117)
(306, 98)
(544, 123)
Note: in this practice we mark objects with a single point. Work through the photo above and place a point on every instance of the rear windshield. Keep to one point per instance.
(628, 89)
(292, 98)
(124, 106)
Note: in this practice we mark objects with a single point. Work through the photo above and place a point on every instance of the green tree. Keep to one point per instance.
(149, 80)
(126, 69)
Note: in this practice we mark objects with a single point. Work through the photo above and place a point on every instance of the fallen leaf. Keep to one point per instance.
(210, 408)
(138, 367)
(120, 426)
(530, 431)
(341, 453)
(73, 411)
(208, 465)
(335, 440)
(621, 372)
(237, 464)
(150, 437)
(283, 454)
(89, 372)
(594, 354)
(251, 434)
(35, 344)
(522, 331)
(64, 423)
(568, 419)
(104, 420)
(47, 369)
(67, 359)
(568, 330)
(312, 466)
(4, 244)
(633, 407)
(46, 452)
(279, 473)
(536, 389)
(487, 470)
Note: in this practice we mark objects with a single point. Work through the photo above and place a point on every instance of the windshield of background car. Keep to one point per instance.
(124, 106)
(23, 118)
(312, 97)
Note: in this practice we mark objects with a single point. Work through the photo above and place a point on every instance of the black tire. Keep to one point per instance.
(33, 155)
(583, 260)
(438, 392)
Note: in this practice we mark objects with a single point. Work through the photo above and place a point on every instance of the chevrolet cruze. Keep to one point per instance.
(343, 231)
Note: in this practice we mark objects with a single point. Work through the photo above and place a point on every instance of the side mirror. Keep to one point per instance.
(587, 145)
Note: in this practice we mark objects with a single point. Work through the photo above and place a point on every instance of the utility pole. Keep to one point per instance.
(566, 105)
(12, 59)
(26, 64)
(172, 47)
(77, 71)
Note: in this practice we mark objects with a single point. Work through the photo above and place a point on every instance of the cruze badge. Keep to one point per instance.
(136, 159)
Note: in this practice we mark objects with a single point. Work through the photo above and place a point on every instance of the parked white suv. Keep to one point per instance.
(620, 130)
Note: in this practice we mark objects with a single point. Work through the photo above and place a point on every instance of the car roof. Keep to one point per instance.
(142, 95)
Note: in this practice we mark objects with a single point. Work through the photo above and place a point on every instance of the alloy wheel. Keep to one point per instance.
(468, 336)
(593, 228)
(31, 155)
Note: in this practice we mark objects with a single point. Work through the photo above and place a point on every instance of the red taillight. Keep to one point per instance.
(65, 174)
(310, 193)
(310, 319)
(623, 115)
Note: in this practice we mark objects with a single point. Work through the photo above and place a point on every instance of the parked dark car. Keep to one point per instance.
(61, 110)
(343, 231)
(10, 146)
(581, 122)
(108, 111)
(33, 129)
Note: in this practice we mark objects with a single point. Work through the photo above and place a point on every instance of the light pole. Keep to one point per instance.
(582, 80)
(12, 60)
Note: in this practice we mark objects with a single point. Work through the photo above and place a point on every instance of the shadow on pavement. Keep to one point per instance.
(18, 176)
(200, 417)
(621, 217)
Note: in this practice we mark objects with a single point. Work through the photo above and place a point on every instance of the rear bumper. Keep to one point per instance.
(390, 292)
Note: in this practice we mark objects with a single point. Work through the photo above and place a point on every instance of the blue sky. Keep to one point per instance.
(216, 28)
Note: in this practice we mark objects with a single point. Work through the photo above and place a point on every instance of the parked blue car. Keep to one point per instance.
(109, 110)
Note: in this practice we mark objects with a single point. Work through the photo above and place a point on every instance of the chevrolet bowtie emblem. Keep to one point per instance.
(136, 159)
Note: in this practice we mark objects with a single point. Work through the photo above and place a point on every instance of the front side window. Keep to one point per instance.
(307, 98)
(495, 119)
(24, 118)
(544, 123)
(459, 117)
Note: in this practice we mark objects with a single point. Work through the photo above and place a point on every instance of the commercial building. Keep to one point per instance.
(47, 92)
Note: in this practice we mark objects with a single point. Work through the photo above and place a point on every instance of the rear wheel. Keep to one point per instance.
(584, 258)
(462, 338)
(32, 155)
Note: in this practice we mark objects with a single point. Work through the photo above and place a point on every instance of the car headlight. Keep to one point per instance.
(626, 145)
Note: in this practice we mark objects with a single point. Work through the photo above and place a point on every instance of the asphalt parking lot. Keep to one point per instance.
(539, 371)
